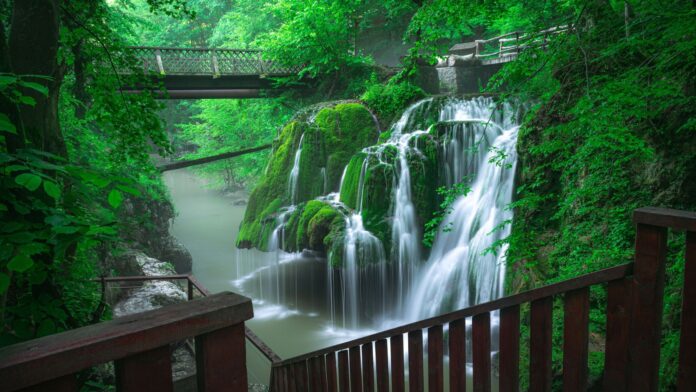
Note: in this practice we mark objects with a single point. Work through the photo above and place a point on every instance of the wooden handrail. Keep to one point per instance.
(194, 283)
(602, 276)
(56, 356)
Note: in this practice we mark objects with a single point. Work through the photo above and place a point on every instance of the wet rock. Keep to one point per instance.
(153, 295)
(176, 254)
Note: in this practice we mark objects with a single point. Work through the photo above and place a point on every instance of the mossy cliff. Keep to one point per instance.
(332, 135)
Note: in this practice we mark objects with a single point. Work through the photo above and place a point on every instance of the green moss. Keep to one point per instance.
(379, 182)
(424, 177)
(312, 159)
(321, 225)
(337, 134)
(307, 213)
(347, 129)
(272, 190)
(351, 180)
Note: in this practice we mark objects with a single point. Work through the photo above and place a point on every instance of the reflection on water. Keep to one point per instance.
(207, 224)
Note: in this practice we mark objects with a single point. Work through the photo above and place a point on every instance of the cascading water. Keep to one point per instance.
(295, 173)
(457, 273)
(406, 233)
(358, 245)
(464, 268)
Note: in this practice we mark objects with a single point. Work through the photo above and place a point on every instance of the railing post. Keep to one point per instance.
(149, 370)
(646, 307)
(221, 360)
(160, 66)
(189, 289)
(479, 47)
(216, 69)
(687, 344)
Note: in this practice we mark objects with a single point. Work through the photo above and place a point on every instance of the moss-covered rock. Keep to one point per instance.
(351, 181)
(331, 137)
(423, 164)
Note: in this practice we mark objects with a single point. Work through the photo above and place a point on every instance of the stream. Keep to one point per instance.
(207, 224)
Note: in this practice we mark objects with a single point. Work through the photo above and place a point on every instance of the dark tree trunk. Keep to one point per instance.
(33, 50)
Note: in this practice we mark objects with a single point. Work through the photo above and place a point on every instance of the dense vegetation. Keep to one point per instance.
(612, 127)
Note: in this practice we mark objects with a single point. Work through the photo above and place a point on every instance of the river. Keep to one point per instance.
(207, 224)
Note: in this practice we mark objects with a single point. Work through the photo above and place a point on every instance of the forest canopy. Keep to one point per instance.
(613, 98)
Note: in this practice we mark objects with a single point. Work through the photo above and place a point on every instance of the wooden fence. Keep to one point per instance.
(633, 321)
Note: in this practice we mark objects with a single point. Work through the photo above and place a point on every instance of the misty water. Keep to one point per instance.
(207, 224)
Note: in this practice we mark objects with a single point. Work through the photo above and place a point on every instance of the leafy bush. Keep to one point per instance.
(390, 99)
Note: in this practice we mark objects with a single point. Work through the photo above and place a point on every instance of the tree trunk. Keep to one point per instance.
(33, 50)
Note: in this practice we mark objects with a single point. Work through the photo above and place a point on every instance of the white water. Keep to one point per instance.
(460, 272)
(406, 233)
(359, 245)
(295, 173)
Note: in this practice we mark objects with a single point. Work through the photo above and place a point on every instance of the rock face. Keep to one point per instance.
(147, 231)
(153, 295)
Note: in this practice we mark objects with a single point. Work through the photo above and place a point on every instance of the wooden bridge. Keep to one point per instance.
(140, 344)
(209, 72)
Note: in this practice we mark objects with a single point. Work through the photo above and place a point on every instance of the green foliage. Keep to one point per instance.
(318, 36)
(612, 130)
(229, 125)
(390, 99)
(449, 196)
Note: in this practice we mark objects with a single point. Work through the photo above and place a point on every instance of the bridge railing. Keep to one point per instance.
(512, 44)
(194, 289)
(632, 342)
(140, 346)
(208, 62)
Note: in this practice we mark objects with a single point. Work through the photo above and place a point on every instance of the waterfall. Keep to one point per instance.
(463, 268)
(295, 173)
(359, 245)
(406, 233)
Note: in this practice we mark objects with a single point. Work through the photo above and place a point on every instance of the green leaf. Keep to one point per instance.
(128, 189)
(27, 100)
(4, 282)
(36, 87)
(3, 207)
(66, 229)
(7, 79)
(29, 181)
(51, 189)
(115, 198)
(20, 263)
(6, 125)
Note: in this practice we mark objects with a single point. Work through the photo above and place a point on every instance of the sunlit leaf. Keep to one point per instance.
(115, 198)
(29, 181)
(27, 100)
(7, 79)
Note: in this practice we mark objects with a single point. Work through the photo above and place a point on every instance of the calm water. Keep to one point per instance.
(207, 224)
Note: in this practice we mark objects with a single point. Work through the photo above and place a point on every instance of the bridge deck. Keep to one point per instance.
(209, 72)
